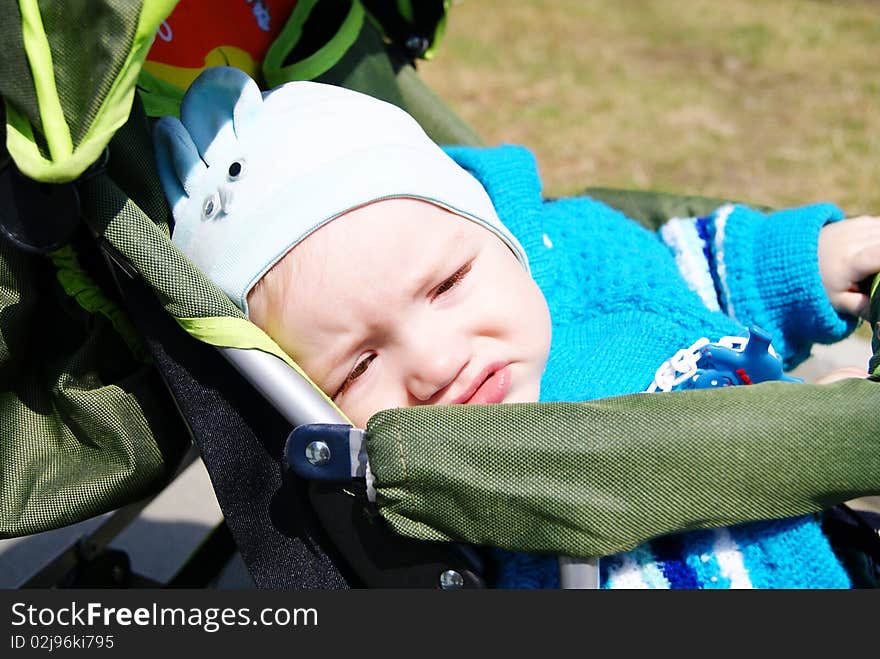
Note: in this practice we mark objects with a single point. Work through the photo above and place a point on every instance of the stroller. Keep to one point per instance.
(156, 356)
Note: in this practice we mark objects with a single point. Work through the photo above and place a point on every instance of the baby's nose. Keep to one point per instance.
(434, 366)
(432, 378)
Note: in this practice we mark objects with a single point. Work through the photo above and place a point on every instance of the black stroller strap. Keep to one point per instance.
(240, 438)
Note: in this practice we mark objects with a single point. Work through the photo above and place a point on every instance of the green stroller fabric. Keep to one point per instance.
(600, 477)
(88, 424)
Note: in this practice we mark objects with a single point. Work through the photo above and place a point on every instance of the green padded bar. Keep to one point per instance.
(596, 478)
(652, 208)
(432, 112)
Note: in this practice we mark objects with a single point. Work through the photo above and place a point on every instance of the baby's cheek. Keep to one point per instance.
(357, 414)
(532, 316)
(372, 398)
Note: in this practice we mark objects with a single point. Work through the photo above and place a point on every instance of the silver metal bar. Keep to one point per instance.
(578, 573)
(291, 394)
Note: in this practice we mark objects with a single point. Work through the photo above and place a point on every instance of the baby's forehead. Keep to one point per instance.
(376, 255)
(371, 226)
(400, 238)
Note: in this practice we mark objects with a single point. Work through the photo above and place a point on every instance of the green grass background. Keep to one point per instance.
(774, 102)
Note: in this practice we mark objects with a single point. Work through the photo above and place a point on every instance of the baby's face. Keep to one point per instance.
(402, 303)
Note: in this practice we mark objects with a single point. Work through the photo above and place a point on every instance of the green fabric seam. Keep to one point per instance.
(232, 332)
(319, 62)
(39, 57)
(401, 448)
(112, 114)
(289, 35)
(83, 289)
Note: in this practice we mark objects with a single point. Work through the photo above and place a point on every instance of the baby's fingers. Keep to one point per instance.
(853, 303)
(865, 261)
(843, 373)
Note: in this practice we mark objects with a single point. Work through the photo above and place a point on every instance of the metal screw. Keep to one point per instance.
(417, 45)
(451, 580)
(318, 453)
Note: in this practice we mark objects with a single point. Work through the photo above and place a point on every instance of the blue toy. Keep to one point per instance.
(733, 360)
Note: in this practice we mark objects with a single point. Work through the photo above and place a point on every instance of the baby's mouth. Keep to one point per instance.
(492, 389)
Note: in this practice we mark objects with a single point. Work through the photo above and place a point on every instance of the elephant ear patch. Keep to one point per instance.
(219, 114)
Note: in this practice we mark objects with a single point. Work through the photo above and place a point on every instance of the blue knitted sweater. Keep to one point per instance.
(621, 305)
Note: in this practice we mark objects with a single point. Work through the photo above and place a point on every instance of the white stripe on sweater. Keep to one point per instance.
(682, 237)
(638, 570)
(627, 576)
(730, 560)
(721, 216)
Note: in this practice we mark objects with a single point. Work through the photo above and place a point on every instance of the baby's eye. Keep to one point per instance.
(451, 282)
(356, 372)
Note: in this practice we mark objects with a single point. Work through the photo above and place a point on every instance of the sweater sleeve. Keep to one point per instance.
(762, 269)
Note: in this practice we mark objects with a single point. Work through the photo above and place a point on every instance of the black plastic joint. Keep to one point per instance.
(320, 451)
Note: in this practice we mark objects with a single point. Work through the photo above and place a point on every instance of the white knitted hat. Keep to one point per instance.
(249, 175)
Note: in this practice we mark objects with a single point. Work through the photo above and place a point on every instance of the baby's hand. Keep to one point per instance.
(849, 252)
(842, 374)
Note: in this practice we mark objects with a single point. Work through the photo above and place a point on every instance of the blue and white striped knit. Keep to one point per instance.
(623, 299)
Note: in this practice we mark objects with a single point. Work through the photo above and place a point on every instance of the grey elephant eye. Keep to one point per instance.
(236, 170)
(211, 206)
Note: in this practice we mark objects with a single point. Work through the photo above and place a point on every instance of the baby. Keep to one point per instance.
(397, 273)
(378, 325)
